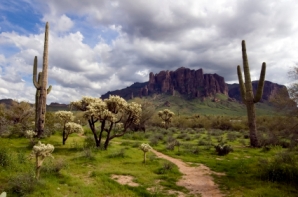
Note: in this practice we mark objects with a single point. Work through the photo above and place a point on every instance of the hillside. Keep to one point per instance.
(192, 84)
(222, 105)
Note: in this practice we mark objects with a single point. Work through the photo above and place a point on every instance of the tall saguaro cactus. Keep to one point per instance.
(40, 84)
(248, 96)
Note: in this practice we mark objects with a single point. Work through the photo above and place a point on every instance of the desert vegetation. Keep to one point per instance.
(253, 155)
(220, 142)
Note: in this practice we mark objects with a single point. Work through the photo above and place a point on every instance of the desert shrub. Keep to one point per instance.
(232, 136)
(170, 139)
(170, 146)
(182, 136)
(173, 130)
(190, 148)
(282, 168)
(75, 145)
(216, 132)
(88, 153)
(136, 144)
(202, 142)
(126, 143)
(167, 166)
(158, 136)
(88, 142)
(267, 138)
(117, 154)
(54, 167)
(219, 139)
(223, 149)
(21, 157)
(51, 124)
(242, 141)
(5, 157)
(22, 184)
(187, 138)
(153, 141)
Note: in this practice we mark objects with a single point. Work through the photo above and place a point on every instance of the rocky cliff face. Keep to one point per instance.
(269, 89)
(187, 82)
(192, 83)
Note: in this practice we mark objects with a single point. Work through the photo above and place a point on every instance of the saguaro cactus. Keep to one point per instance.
(40, 84)
(248, 96)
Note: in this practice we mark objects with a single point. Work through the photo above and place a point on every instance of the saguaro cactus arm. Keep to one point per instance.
(241, 84)
(259, 93)
(36, 81)
(49, 89)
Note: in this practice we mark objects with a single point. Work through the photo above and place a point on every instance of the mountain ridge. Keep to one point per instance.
(190, 83)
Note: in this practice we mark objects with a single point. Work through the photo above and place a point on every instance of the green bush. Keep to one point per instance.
(282, 168)
(22, 184)
(5, 157)
(167, 166)
(89, 142)
(223, 149)
(117, 154)
(54, 167)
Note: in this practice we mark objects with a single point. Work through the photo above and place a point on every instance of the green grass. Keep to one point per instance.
(179, 104)
(76, 171)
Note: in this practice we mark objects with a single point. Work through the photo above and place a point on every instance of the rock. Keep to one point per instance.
(189, 82)
(269, 89)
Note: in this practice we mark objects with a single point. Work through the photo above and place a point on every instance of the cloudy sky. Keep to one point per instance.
(100, 45)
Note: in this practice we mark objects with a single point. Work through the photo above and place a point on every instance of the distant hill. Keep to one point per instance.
(192, 84)
(7, 102)
(51, 107)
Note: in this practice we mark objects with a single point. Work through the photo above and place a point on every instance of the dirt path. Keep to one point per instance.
(196, 179)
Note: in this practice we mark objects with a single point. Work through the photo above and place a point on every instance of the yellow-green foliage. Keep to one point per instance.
(166, 115)
(40, 152)
(108, 112)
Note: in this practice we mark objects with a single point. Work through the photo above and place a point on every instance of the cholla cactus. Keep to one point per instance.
(119, 126)
(166, 115)
(40, 152)
(30, 134)
(3, 194)
(72, 127)
(109, 112)
(145, 148)
(65, 117)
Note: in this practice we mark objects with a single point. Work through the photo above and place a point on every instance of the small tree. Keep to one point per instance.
(148, 110)
(20, 117)
(68, 127)
(166, 115)
(109, 112)
(30, 134)
(145, 148)
(40, 152)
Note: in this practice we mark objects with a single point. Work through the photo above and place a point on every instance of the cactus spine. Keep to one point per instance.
(40, 84)
(248, 96)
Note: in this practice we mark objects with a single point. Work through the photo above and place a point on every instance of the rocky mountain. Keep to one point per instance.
(269, 89)
(191, 83)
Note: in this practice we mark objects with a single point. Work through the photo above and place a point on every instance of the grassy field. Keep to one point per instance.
(78, 169)
(181, 105)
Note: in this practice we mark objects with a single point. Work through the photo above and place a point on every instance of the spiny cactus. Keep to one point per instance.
(248, 96)
(40, 84)
(40, 151)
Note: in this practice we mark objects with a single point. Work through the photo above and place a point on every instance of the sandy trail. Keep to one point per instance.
(196, 179)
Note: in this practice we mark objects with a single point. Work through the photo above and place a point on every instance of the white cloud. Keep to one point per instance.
(133, 38)
(4, 91)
